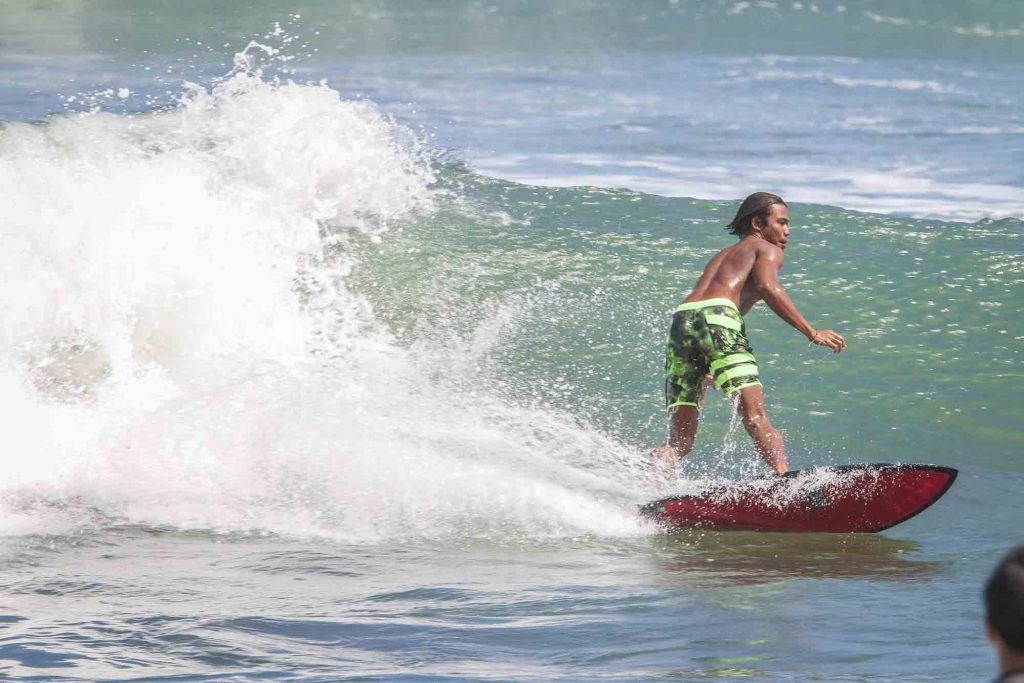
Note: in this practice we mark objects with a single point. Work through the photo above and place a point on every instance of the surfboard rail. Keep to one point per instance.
(858, 498)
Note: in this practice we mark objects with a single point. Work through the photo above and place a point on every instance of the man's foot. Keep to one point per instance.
(664, 462)
(664, 456)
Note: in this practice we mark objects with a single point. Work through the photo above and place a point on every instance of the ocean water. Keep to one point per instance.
(331, 335)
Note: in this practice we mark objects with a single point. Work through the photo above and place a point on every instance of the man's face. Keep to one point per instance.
(776, 229)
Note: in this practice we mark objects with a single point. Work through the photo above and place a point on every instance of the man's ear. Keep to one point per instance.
(992, 636)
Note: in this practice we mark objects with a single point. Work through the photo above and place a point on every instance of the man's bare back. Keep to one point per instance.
(727, 275)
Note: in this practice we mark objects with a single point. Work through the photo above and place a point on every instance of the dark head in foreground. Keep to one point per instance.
(1004, 613)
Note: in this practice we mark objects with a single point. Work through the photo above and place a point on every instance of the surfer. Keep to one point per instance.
(708, 341)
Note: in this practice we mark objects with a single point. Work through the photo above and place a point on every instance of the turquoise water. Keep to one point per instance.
(335, 355)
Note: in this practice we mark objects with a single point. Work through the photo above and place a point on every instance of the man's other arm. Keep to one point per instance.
(765, 275)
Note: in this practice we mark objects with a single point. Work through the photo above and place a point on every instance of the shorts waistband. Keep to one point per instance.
(694, 305)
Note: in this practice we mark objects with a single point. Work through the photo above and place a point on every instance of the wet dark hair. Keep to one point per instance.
(757, 205)
(1004, 600)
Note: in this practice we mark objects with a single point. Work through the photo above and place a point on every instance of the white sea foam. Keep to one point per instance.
(908, 84)
(985, 31)
(905, 190)
(882, 19)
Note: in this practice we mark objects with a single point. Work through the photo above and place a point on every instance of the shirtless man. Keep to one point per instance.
(708, 340)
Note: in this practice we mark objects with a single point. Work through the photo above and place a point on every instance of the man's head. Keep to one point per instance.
(764, 214)
(1004, 606)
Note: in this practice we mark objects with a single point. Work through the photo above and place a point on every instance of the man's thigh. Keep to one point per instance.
(751, 403)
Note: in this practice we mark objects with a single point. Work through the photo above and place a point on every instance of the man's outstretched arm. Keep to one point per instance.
(765, 274)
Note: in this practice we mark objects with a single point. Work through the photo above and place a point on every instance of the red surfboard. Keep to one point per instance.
(843, 499)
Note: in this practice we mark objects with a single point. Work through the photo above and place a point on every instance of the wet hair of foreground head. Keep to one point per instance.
(1004, 600)
(757, 205)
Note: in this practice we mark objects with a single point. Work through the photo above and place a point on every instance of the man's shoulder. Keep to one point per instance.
(765, 250)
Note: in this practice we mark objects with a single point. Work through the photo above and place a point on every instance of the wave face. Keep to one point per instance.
(575, 286)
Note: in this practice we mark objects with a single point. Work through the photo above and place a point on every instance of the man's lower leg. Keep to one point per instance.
(767, 439)
(770, 445)
(682, 430)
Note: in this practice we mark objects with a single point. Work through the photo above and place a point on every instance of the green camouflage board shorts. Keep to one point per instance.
(707, 336)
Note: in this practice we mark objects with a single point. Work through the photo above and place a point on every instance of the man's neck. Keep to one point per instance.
(1010, 661)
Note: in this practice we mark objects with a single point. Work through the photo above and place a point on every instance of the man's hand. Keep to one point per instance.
(828, 338)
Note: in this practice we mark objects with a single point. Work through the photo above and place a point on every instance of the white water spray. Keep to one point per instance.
(181, 347)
